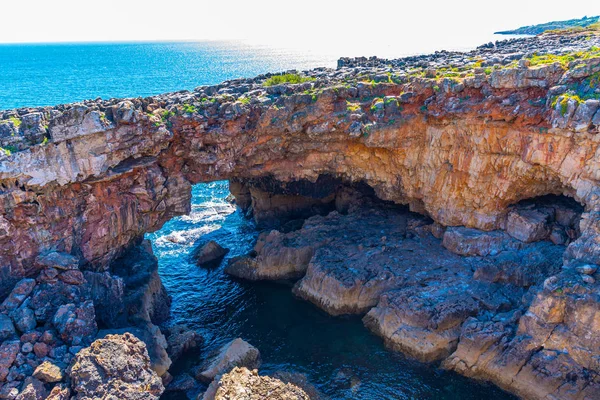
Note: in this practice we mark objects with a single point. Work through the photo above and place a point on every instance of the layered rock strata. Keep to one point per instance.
(458, 137)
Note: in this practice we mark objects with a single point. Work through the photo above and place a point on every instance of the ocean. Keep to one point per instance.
(338, 354)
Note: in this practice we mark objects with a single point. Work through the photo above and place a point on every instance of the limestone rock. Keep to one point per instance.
(244, 384)
(237, 353)
(116, 366)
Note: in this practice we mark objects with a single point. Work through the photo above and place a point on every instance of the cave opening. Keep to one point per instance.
(548, 217)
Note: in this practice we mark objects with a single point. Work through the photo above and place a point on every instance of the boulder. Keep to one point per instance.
(474, 242)
(529, 225)
(18, 295)
(180, 340)
(60, 261)
(32, 389)
(73, 321)
(181, 383)
(209, 254)
(237, 353)
(244, 384)
(48, 372)
(118, 367)
(24, 318)
(7, 329)
(59, 392)
(156, 344)
(8, 354)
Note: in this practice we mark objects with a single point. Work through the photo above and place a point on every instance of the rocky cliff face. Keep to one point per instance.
(458, 137)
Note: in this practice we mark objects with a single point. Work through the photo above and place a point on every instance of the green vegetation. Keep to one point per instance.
(376, 102)
(188, 109)
(564, 102)
(287, 78)
(166, 115)
(565, 59)
(8, 150)
(16, 121)
(352, 107)
(244, 100)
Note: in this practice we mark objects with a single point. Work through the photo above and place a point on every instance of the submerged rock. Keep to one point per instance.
(117, 366)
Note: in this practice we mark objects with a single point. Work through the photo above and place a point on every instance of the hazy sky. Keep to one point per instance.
(306, 23)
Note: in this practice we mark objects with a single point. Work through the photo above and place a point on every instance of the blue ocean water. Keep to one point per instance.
(338, 354)
(48, 74)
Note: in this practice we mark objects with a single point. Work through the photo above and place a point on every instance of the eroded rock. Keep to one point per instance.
(237, 353)
(244, 384)
(116, 366)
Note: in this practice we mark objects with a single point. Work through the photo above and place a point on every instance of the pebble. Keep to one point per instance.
(27, 348)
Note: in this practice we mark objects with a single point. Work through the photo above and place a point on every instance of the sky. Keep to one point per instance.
(310, 24)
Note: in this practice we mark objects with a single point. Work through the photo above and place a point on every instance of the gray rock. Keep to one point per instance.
(181, 340)
(587, 269)
(72, 321)
(237, 353)
(24, 318)
(209, 254)
(155, 342)
(33, 389)
(474, 242)
(115, 367)
(18, 295)
(8, 354)
(61, 261)
(529, 225)
(7, 329)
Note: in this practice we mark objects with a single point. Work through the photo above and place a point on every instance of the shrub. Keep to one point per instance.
(287, 78)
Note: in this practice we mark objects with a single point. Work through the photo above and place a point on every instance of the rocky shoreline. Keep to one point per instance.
(452, 199)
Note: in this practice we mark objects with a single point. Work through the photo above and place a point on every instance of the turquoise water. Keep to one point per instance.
(338, 354)
(48, 74)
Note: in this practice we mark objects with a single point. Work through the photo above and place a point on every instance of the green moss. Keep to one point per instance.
(287, 78)
(189, 109)
(244, 100)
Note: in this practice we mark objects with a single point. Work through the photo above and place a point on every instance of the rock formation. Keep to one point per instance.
(117, 366)
(244, 384)
(461, 138)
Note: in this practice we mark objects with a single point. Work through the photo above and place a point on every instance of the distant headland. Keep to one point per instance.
(549, 26)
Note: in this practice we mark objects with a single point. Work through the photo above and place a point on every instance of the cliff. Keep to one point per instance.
(458, 137)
